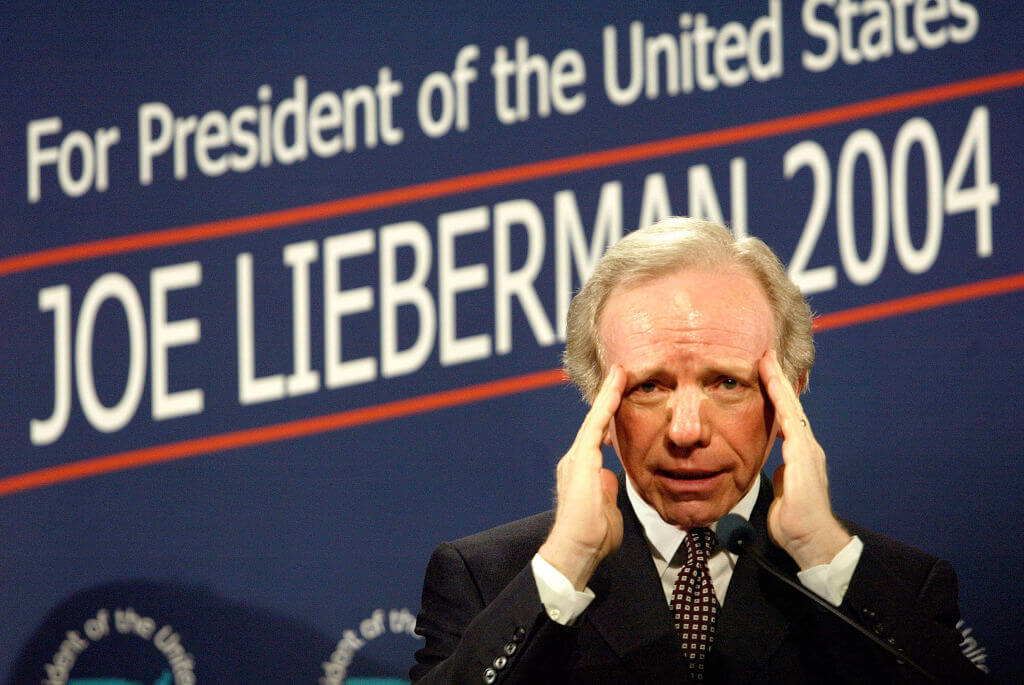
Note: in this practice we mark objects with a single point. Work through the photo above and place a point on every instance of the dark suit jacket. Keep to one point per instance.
(481, 611)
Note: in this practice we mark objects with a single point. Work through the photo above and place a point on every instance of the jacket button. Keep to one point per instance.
(490, 675)
(500, 662)
(510, 648)
(519, 634)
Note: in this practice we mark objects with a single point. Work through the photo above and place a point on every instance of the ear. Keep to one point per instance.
(609, 435)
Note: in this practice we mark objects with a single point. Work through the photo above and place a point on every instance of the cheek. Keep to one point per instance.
(638, 418)
(631, 430)
(748, 427)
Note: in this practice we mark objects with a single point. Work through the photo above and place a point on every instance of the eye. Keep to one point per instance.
(647, 387)
(728, 383)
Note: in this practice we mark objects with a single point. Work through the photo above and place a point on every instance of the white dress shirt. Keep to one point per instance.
(564, 603)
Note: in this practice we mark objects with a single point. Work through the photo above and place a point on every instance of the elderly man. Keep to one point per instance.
(691, 348)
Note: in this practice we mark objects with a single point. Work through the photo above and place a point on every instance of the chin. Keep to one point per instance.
(691, 517)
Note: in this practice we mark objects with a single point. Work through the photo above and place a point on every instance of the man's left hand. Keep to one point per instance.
(800, 520)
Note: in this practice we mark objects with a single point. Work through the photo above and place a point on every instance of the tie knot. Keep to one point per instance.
(700, 542)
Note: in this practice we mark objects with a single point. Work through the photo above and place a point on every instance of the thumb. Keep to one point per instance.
(609, 486)
(777, 480)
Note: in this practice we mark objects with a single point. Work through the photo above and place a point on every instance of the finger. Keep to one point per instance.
(788, 410)
(595, 425)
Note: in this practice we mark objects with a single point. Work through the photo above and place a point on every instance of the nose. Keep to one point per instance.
(688, 426)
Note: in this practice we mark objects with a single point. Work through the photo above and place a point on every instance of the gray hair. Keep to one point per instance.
(668, 246)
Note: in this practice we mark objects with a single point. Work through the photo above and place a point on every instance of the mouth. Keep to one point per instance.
(689, 482)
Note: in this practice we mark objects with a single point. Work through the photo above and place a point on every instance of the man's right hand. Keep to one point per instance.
(588, 523)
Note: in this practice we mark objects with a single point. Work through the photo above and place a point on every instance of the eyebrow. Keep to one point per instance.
(736, 368)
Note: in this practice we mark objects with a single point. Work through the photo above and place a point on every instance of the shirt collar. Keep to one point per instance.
(663, 537)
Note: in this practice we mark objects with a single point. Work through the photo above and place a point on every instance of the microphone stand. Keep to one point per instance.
(738, 545)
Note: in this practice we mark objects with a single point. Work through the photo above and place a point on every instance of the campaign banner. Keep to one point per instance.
(284, 293)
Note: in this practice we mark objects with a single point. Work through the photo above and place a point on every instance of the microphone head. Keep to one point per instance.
(734, 533)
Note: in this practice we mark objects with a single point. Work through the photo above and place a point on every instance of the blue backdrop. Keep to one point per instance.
(283, 290)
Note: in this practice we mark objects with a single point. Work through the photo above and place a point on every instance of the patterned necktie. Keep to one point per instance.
(694, 606)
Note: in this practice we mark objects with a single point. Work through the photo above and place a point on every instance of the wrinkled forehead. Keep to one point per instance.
(725, 299)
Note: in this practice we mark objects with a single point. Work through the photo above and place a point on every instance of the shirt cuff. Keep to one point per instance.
(831, 581)
(562, 602)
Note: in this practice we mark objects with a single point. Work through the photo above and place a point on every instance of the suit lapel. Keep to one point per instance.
(630, 611)
(751, 626)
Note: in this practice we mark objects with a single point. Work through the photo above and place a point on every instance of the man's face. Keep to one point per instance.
(693, 429)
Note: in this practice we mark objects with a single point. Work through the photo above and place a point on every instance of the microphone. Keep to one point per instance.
(737, 536)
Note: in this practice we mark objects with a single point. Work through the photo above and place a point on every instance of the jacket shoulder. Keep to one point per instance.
(495, 555)
(893, 561)
(891, 548)
(523, 535)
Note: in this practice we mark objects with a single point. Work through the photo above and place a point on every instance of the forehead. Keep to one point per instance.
(723, 307)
